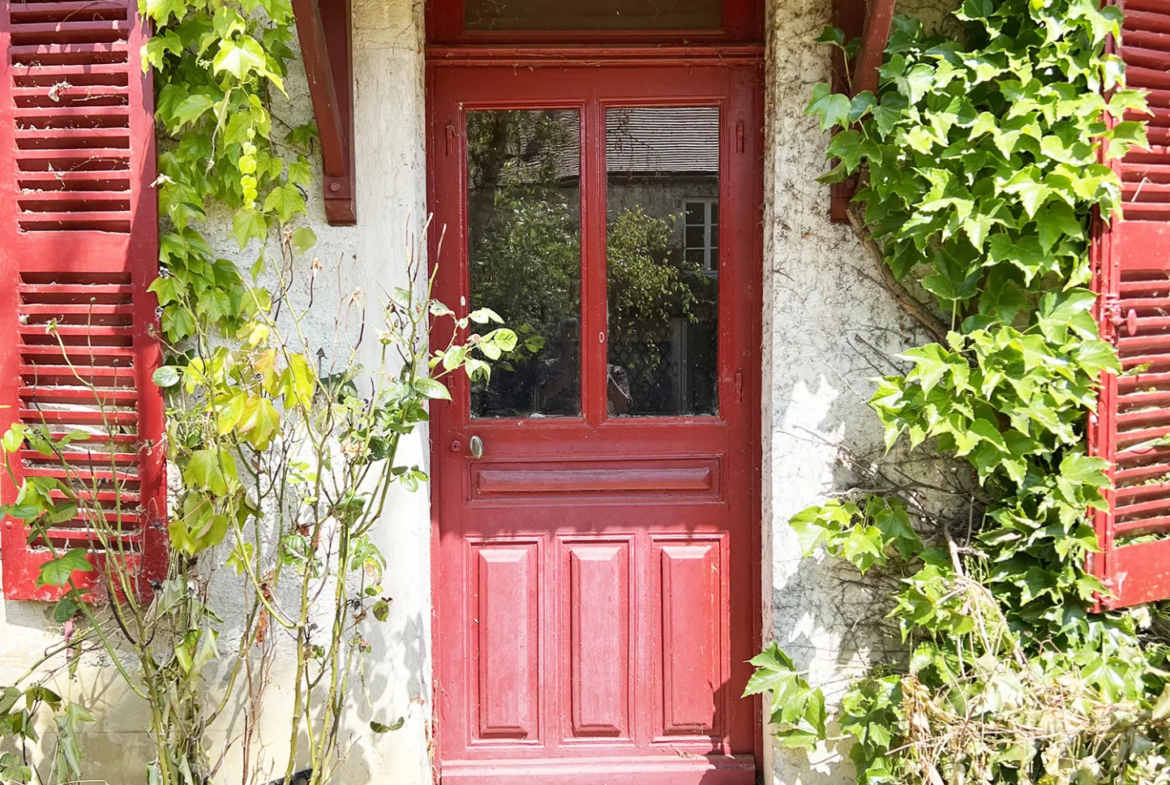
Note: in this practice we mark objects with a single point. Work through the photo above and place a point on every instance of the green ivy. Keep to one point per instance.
(982, 163)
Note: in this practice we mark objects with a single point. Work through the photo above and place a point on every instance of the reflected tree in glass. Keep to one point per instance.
(662, 268)
(525, 256)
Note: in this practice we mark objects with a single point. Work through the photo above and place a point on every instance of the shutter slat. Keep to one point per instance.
(78, 249)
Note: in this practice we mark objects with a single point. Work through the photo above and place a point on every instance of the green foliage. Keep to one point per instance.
(980, 174)
(798, 711)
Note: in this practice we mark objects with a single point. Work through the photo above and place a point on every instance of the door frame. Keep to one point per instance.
(436, 140)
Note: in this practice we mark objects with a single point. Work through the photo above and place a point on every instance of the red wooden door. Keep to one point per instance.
(596, 502)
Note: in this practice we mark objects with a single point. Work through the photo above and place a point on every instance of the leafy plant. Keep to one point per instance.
(284, 451)
(981, 166)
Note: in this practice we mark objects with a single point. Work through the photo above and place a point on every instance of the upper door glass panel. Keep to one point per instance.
(662, 260)
(524, 256)
(601, 15)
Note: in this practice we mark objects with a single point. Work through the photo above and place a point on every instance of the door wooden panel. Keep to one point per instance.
(505, 628)
(599, 604)
(692, 653)
(597, 565)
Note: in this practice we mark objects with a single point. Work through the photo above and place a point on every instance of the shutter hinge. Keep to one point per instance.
(1111, 310)
(1111, 313)
(739, 137)
(739, 386)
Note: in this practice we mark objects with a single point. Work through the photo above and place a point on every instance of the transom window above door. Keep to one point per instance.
(594, 21)
(647, 306)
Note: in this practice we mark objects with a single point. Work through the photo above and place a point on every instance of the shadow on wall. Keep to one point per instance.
(117, 749)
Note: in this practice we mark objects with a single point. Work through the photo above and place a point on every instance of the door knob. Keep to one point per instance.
(475, 447)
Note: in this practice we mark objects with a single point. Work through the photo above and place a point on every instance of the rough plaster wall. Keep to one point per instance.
(828, 330)
(390, 197)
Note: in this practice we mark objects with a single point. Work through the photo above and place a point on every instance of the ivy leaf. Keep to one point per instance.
(160, 10)
(303, 239)
(831, 35)
(861, 105)
(300, 172)
(1094, 356)
(775, 672)
(57, 572)
(240, 59)
(259, 422)
(227, 22)
(1055, 221)
(987, 431)
(921, 139)
(190, 109)
(977, 226)
(249, 225)
(916, 82)
(1126, 134)
(160, 45)
(211, 470)
(846, 145)
(1085, 470)
(832, 108)
(863, 547)
(286, 201)
(1025, 254)
(1161, 709)
(1026, 186)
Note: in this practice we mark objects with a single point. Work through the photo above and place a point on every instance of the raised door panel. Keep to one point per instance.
(505, 640)
(690, 649)
(598, 607)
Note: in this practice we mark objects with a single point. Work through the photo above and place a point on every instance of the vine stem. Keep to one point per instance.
(906, 301)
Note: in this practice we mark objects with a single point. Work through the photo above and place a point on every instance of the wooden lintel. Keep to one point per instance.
(874, 31)
(327, 49)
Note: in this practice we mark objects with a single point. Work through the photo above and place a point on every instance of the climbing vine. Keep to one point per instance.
(283, 448)
(982, 166)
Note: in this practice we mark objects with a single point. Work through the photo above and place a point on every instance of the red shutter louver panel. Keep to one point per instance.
(78, 249)
(1132, 272)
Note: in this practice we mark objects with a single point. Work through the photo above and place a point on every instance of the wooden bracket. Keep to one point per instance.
(872, 25)
(324, 30)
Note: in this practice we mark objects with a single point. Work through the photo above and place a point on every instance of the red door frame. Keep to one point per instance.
(657, 79)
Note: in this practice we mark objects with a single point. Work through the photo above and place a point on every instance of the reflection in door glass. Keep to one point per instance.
(663, 260)
(524, 255)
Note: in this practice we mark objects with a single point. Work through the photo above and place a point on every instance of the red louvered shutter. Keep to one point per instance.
(1132, 264)
(78, 248)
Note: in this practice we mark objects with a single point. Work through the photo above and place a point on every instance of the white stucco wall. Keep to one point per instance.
(391, 192)
(826, 329)
(829, 330)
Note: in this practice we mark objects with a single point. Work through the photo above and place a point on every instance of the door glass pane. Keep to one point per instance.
(663, 260)
(524, 256)
(532, 15)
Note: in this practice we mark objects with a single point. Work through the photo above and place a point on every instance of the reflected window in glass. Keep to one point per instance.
(524, 256)
(662, 260)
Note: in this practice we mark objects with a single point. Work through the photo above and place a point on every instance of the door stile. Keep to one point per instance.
(593, 285)
(744, 148)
